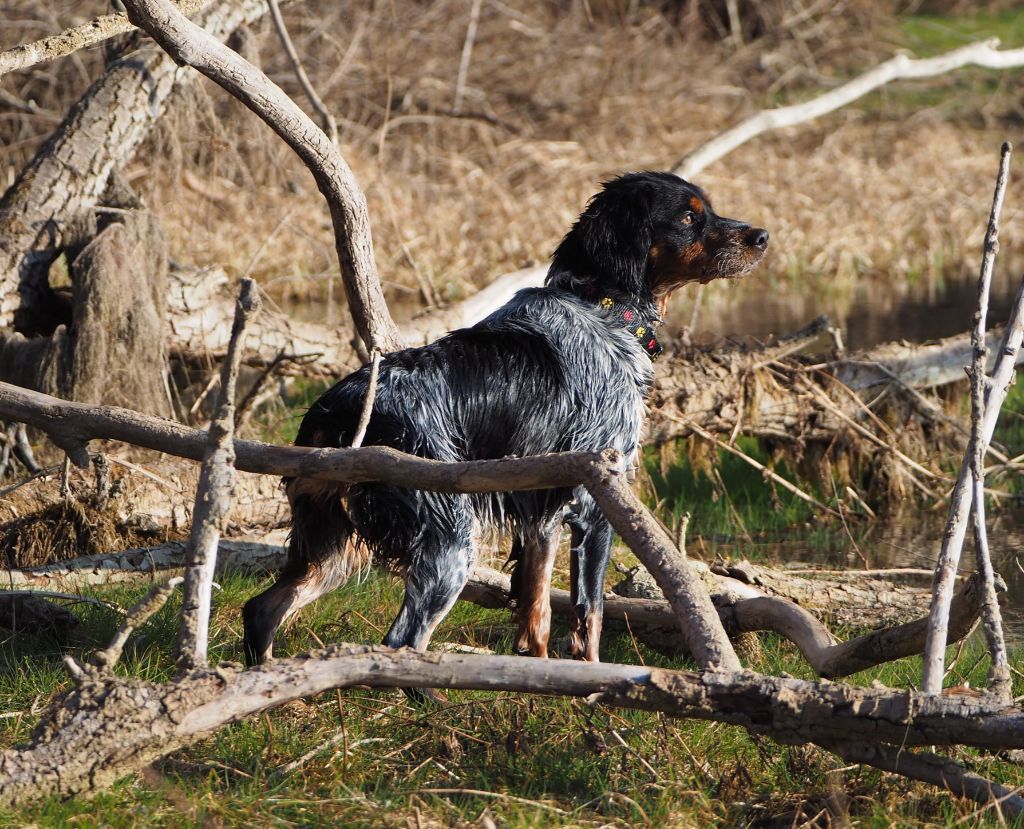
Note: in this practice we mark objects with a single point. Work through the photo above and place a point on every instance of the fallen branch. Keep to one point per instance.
(743, 609)
(933, 769)
(984, 53)
(70, 755)
(71, 425)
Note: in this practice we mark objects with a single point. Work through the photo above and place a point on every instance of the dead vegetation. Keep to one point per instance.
(556, 99)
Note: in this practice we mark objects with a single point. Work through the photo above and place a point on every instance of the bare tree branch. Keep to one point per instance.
(70, 425)
(213, 497)
(984, 53)
(983, 426)
(190, 45)
(1000, 681)
(73, 754)
(71, 40)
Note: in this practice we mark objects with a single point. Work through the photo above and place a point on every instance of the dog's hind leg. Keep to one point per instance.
(591, 544)
(532, 586)
(435, 576)
(322, 555)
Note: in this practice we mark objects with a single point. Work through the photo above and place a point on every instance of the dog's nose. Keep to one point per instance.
(758, 238)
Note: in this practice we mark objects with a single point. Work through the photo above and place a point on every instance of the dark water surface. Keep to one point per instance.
(873, 314)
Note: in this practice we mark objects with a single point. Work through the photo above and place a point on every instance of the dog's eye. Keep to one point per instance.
(689, 217)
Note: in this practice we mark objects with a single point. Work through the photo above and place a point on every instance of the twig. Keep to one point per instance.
(327, 122)
(71, 40)
(999, 669)
(982, 426)
(467, 52)
(984, 53)
(764, 470)
(213, 496)
(42, 473)
(371, 394)
(150, 604)
(68, 597)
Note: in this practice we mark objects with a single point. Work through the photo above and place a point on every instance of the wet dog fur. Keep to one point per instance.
(556, 369)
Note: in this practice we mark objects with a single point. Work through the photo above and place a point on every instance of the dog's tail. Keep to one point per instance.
(322, 535)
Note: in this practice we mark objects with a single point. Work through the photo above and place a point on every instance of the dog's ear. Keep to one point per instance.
(610, 243)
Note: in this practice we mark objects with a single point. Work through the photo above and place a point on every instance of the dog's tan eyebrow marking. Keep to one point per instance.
(696, 205)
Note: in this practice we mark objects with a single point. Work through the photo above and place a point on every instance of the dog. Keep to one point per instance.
(561, 368)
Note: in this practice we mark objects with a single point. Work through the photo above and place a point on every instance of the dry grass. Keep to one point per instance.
(555, 102)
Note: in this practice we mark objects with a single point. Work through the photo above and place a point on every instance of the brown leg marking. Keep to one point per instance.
(585, 637)
(533, 615)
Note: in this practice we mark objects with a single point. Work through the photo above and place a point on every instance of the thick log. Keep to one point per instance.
(75, 750)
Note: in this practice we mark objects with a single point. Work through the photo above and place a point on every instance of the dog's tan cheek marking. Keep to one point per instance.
(692, 252)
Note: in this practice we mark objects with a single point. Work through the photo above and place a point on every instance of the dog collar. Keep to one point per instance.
(632, 320)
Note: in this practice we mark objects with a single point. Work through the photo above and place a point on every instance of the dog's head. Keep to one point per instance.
(646, 234)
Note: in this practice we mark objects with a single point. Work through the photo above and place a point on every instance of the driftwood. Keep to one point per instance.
(985, 53)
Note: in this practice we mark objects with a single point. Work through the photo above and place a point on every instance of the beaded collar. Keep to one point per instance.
(632, 320)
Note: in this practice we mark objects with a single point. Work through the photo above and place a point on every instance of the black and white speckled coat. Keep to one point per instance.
(556, 369)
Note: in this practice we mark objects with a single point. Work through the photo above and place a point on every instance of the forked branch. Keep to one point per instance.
(213, 497)
(983, 426)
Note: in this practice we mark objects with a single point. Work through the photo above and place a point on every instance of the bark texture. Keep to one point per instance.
(107, 727)
(69, 174)
(113, 348)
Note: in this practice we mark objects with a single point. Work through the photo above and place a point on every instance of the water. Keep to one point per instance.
(875, 313)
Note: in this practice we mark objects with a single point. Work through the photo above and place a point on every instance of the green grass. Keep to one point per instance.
(545, 762)
(931, 34)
